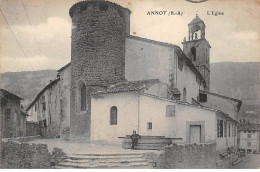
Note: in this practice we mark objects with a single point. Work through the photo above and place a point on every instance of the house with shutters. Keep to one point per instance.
(117, 83)
(249, 137)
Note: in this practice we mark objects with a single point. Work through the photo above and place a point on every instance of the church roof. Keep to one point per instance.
(224, 97)
(128, 86)
(196, 20)
(64, 67)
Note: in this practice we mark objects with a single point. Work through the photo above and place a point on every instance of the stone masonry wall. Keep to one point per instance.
(98, 42)
(185, 156)
(97, 54)
(22, 155)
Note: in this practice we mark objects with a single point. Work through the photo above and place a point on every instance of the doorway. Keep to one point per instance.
(195, 134)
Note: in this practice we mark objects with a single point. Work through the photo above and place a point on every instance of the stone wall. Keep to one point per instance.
(22, 155)
(97, 54)
(189, 156)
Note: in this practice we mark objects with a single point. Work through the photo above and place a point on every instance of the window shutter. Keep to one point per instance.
(170, 110)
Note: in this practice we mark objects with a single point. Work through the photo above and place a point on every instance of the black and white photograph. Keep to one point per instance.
(130, 84)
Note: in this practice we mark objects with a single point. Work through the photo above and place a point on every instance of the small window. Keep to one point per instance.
(248, 143)
(202, 97)
(120, 13)
(228, 129)
(35, 107)
(225, 129)
(44, 106)
(193, 53)
(103, 7)
(184, 95)
(232, 130)
(248, 135)
(8, 114)
(180, 62)
(149, 126)
(170, 110)
(83, 8)
(113, 115)
(220, 128)
(83, 101)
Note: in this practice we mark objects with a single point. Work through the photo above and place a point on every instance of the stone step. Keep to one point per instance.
(112, 161)
(108, 154)
(63, 167)
(145, 146)
(78, 157)
(105, 165)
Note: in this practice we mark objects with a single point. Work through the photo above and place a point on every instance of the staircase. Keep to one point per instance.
(114, 160)
(149, 142)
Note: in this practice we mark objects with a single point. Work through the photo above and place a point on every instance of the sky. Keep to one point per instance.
(44, 36)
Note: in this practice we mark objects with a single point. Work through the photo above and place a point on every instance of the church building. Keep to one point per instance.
(117, 83)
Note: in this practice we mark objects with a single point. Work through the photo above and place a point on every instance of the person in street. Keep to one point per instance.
(134, 138)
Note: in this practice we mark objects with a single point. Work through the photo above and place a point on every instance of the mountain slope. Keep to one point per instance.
(26, 84)
(237, 80)
(240, 81)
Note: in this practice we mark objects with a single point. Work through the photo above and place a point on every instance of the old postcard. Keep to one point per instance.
(129, 84)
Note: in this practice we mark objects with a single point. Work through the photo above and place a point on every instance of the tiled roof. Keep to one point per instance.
(43, 90)
(64, 67)
(224, 97)
(128, 86)
(176, 91)
(188, 104)
(196, 20)
(248, 127)
(24, 113)
(6, 94)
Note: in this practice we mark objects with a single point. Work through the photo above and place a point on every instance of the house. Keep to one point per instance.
(45, 110)
(13, 118)
(249, 137)
(117, 83)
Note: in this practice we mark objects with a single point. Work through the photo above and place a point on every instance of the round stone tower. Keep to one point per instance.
(98, 36)
(98, 42)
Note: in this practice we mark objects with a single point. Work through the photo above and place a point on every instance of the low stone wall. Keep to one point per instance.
(21, 139)
(19, 155)
(188, 156)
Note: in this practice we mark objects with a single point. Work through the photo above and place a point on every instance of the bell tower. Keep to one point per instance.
(197, 48)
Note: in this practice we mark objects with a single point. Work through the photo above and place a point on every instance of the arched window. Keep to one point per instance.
(193, 53)
(113, 116)
(184, 94)
(83, 94)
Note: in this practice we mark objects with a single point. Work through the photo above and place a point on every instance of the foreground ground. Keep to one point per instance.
(71, 148)
(251, 161)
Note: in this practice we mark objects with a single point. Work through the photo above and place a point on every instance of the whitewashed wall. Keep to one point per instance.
(147, 60)
(127, 116)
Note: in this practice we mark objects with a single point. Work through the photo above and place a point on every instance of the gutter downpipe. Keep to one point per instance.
(138, 112)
